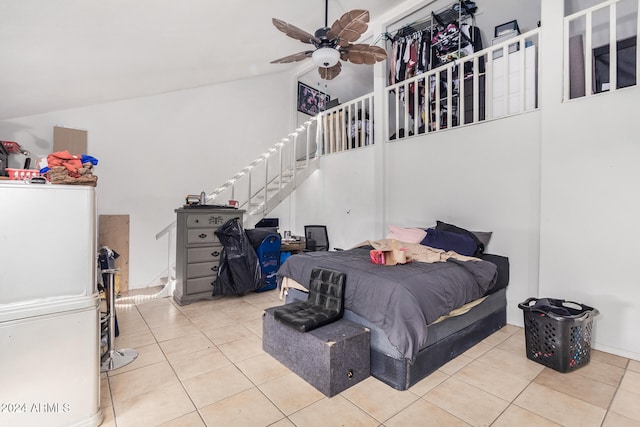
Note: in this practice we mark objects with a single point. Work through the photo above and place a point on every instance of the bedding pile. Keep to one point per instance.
(417, 252)
(401, 299)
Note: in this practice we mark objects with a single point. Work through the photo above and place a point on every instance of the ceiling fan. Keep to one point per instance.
(333, 43)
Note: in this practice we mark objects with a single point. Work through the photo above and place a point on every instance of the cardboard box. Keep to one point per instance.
(392, 256)
(72, 140)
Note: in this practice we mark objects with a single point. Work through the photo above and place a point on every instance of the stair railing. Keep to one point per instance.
(277, 180)
(253, 186)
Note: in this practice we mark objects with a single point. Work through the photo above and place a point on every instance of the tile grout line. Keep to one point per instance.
(256, 386)
(234, 365)
(251, 327)
(626, 369)
(142, 316)
(197, 410)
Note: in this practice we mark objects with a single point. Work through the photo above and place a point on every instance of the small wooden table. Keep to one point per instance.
(293, 246)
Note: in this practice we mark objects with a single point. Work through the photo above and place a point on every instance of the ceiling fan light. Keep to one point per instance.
(326, 57)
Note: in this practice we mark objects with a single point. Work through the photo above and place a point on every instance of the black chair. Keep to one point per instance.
(324, 305)
(316, 238)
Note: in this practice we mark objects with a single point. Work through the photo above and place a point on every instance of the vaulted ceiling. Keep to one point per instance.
(58, 54)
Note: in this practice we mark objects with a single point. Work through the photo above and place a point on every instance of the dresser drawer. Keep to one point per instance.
(202, 269)
(210, 253)
(209, 220)
(203, 284)
(202, 235)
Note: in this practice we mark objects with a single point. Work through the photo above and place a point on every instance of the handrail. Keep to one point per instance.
(263, 170)
(413, 112)
(165, 230)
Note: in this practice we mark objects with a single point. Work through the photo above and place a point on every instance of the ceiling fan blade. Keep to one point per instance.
(295, 32)
(350, 26)
(331, 72)
(293, 58)
(363, 54)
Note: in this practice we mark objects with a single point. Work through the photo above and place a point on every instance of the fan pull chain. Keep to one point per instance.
(324, 95)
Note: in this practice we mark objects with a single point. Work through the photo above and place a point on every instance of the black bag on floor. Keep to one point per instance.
(239, 271)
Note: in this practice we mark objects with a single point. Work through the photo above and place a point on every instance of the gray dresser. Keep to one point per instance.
(198, 251)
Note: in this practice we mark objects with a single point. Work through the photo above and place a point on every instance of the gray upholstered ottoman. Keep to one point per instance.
(331, 358)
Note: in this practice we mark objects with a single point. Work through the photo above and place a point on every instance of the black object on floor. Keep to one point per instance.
(558, 332)
(239, 270)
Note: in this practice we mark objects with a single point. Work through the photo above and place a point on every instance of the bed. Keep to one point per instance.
(421, 314)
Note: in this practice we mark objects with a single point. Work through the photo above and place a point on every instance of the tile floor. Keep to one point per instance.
(202, 365)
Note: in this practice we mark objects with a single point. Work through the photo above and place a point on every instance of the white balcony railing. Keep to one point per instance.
(590, 65)
(468, 90)
(348, 126)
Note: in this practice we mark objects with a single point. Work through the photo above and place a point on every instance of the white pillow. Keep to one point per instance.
(407, 235)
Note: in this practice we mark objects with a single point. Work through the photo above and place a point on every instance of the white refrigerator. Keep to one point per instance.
(49, 306)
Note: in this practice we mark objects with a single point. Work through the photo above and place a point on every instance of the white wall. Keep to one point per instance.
(590, 212)
(589, 207)
(154, 151)
(339, 195)
(486, 178)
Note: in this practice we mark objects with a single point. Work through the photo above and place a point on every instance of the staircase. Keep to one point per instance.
(263, 184)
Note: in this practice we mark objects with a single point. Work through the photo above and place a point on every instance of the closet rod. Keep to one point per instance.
(412, 28)
(442, 17)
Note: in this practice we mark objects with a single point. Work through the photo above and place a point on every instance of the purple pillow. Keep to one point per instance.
(443, 226)
(449, 241)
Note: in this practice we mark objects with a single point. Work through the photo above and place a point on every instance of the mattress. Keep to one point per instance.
(400, 299)
(441, 339)
(447, 339)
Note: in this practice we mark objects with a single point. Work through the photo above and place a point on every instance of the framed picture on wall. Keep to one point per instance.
(311, 101)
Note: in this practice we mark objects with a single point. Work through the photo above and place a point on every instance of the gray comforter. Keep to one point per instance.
(401, 299)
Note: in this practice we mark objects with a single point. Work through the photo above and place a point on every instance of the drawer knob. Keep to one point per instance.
(202, 236)
(214, 268)
(215, 253)
(197, 221)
